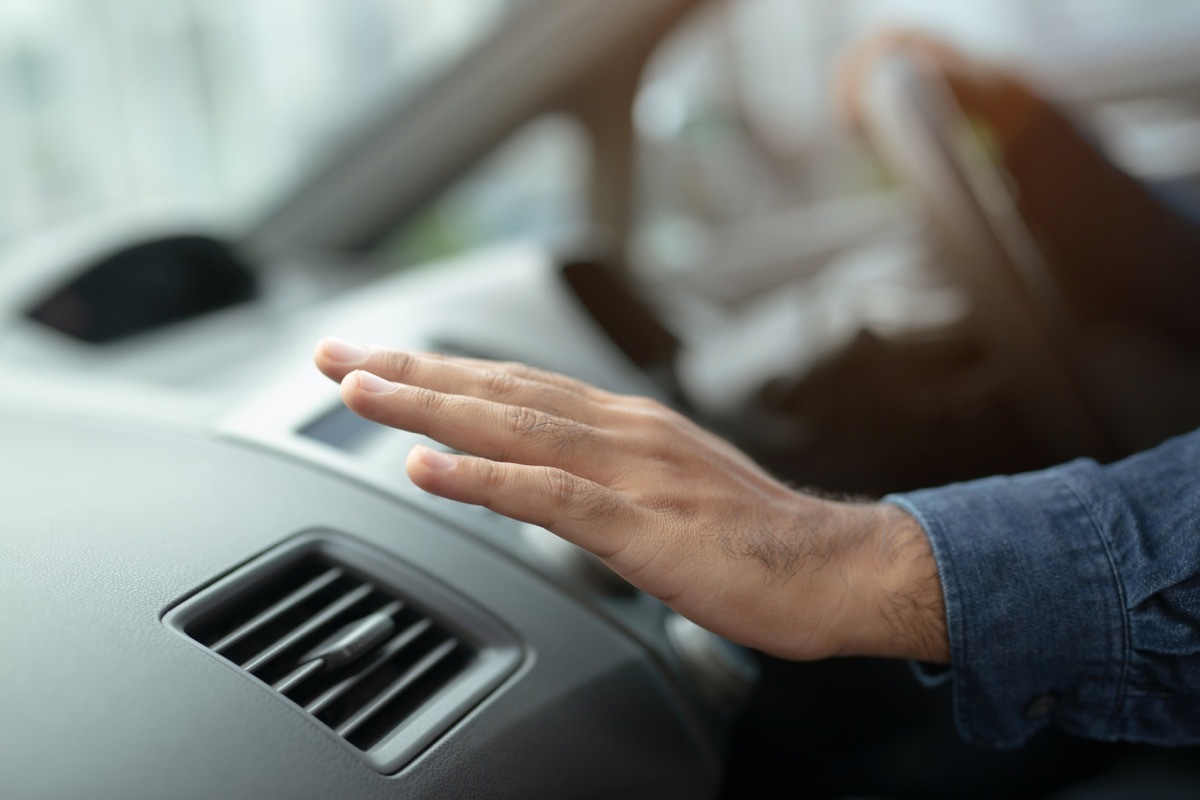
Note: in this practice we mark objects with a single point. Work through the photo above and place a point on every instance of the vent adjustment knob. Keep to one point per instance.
(352, 641)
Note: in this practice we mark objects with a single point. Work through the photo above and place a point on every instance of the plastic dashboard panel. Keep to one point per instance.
(122, 500)
(103, 700)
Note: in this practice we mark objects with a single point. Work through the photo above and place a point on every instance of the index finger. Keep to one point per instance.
(506, 382)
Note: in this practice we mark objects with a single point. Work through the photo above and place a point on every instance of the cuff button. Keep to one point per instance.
(1040, 706)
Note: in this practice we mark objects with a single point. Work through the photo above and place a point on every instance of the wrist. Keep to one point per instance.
(895, 607)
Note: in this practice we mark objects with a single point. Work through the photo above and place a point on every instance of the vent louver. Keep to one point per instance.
(381, 655)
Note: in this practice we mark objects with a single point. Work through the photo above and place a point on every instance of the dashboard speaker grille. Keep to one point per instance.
(383, 656)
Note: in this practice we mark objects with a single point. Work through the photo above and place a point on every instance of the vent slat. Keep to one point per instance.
(379, 654)
(389, 650)
(317, 620)
(265, 617)
(297, 676)
(415, 672)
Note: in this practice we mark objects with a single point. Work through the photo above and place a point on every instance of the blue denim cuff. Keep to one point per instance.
(1033, 605)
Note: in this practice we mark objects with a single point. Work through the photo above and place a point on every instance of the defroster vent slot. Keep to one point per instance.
(384, 657)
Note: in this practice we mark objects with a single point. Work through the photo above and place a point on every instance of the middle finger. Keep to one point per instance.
(494, 430)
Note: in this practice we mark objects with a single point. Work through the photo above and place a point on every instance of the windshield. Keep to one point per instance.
(213, 104)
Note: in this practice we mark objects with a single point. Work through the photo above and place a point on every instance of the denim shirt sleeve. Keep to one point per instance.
(1073, 597)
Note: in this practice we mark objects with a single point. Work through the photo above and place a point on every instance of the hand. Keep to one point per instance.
(676, 511)
(992, 93)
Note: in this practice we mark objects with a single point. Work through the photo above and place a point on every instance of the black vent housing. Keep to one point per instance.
(421, 656)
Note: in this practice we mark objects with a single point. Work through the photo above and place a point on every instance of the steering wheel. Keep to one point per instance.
(927, 142)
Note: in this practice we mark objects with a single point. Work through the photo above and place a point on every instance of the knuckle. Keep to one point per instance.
(500, 384)
(570, 436)
(560, 435)
(544, 377)
(657, 433)
(522, 420)
(429, 401)
(578, 499)
(602, 505)
(398, 363)
(490, 474)
(562, 488)
(515, 369)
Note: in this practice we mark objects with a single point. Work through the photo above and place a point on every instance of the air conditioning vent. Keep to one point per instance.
(383, 656)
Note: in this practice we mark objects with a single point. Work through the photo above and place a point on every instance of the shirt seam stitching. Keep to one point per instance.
(1126, 645)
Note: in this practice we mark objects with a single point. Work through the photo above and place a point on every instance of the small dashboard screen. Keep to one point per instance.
(342, 428)
(147, 286)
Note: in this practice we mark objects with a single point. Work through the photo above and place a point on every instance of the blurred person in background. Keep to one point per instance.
(1121, 253)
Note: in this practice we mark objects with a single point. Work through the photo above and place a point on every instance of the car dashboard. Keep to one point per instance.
(218, 582)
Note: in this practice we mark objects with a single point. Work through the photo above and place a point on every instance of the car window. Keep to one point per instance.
(215, 104)
(532, 186)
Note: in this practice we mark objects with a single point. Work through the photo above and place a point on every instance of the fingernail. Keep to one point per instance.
(373, 383)
(343, 351)
(435, 459)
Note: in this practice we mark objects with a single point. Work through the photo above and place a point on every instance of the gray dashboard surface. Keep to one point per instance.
(108, 524)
